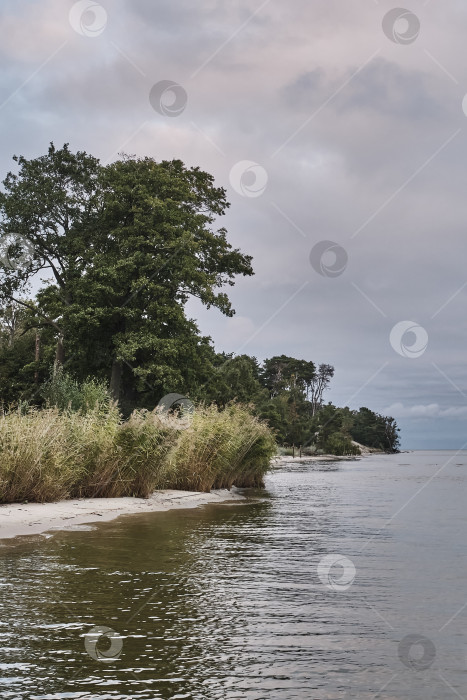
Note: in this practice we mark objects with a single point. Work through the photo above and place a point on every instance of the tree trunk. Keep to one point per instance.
(116, 380)
(60, 352)
(37, 356)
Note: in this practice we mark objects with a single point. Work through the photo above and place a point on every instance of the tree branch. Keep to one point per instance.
(36, 311)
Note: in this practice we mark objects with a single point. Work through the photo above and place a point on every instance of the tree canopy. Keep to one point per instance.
(126, 245)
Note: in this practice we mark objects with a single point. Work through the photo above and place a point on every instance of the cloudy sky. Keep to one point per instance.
(339, 130)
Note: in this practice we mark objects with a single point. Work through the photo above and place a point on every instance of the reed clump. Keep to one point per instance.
(58, 453)
(216, 450)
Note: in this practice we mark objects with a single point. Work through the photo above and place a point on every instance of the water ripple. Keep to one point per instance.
(228, 601)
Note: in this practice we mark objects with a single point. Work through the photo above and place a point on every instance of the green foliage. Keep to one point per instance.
(68, 394)
(375, 430)
(282, 373)
(17, 368)
(299, 420)
(340, 444)
(126, 244)
(234, 378)
(334, 428)
(48, 204)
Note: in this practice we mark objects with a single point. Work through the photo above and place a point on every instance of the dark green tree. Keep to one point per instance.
(126, 246)
(283, 373)
(25, 355)
(45, 210)
(374, 430)
(234, 378)
(157, 247)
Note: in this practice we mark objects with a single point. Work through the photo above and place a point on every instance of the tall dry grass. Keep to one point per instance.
(222, 448)
(52, 454)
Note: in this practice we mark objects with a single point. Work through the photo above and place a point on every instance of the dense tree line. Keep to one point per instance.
(289, 393)
(120, 249)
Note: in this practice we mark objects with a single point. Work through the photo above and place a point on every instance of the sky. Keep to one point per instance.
(339, 131)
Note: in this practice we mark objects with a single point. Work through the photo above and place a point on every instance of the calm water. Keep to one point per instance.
(244, 601)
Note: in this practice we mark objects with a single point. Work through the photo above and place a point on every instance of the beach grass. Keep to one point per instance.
(53, 454)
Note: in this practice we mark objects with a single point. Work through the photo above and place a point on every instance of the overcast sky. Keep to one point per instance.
(339, 132)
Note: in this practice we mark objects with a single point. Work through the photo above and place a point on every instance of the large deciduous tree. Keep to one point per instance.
(318, 385)
(282, 373)
(45, 210)
(125, 246)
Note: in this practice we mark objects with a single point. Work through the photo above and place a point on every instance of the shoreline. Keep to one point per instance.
(284, 459)
(22, 519)
(367, 452)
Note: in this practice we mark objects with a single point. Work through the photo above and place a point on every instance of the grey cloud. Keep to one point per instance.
(432, 410)
(382, 86)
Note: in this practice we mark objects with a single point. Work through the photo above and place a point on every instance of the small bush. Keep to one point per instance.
(67, 394)
(339, 444)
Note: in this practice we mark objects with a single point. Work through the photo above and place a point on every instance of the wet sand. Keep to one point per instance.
(37, 518)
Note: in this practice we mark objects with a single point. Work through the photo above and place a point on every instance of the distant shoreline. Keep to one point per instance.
(284, 459)
(364, 452)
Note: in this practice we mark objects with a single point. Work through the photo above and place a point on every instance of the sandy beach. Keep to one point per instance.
(364, 452)
(38, 518)
(277, 461)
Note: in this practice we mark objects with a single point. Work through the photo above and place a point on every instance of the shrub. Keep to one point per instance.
(340, 444)
(67, 394)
